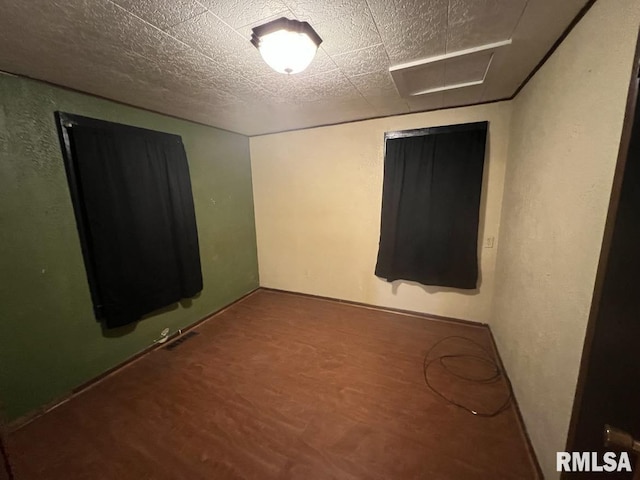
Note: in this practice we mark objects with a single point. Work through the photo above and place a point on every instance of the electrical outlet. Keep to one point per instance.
(488, 242)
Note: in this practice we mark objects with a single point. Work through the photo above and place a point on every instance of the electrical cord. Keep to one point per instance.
(497, 373)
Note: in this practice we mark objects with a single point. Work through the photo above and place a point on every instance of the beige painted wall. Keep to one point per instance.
(317, 203)
(564, 140)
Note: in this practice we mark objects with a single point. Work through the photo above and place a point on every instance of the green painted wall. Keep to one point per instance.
(49, 339)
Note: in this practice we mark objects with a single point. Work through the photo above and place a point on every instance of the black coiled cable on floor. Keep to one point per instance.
(496, 375)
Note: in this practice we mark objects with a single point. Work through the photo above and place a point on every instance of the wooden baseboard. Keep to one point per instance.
(412, 313)
(525, 432)
(29, 417)
(22, 421)
(16, 424)
(441, 319)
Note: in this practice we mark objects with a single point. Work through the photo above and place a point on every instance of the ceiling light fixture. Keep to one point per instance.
(288, 46)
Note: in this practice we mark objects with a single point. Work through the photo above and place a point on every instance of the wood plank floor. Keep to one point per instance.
(282, 386)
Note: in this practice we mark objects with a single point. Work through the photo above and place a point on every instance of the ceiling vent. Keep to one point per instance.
(464, 68)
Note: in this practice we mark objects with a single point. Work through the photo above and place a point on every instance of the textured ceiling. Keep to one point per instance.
(193, 59)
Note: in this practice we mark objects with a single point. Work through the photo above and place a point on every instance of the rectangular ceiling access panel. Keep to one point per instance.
(454, 70)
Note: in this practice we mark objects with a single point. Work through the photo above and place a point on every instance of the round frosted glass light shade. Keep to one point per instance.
(287, 52)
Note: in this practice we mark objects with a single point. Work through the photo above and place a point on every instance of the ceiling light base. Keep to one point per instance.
(287, 46)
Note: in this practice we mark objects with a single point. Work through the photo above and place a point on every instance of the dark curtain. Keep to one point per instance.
(139, 228)
(430, 206)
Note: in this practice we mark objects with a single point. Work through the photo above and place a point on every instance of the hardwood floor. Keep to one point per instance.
(282, 386)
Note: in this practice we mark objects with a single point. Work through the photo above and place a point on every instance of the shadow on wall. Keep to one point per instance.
(119, 332)
(431, 289)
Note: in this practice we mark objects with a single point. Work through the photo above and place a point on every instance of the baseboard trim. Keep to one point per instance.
(28, 418)
(525, 432)
(412, 313)
(439, 318)
(40, 411)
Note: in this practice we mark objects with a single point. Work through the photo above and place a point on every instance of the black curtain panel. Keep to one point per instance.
(134, 206)
(431, 204)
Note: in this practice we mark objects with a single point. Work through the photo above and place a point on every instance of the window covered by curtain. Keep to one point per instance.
(134, 208)
(430, 205)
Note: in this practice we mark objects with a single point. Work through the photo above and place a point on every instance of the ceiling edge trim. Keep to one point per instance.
(555, 46)
(119, 102)
(377, 117)
(488, 102)
(551, 51)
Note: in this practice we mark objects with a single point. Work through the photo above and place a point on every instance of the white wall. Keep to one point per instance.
(317, 204)
(564, 140)
(317, 198)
